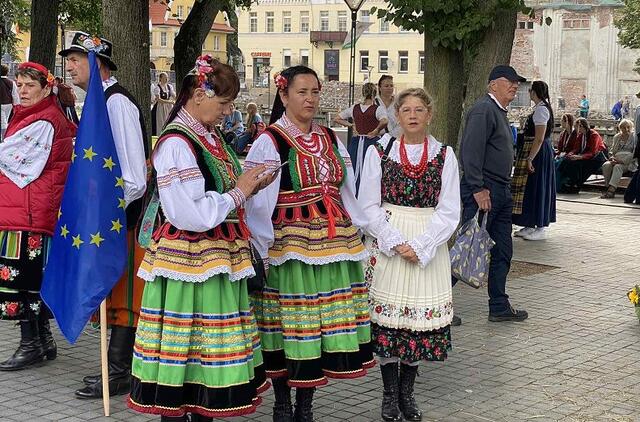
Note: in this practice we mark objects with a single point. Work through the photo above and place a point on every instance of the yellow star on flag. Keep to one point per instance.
(108, 163)
(73, 156)
(64, 231)
(77, 241)
(89, 154)
(122, 203)
(120, 182)
(96, 239)
(59, 213)
(115, 225)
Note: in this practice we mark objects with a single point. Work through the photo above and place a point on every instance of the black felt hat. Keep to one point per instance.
(83, 43)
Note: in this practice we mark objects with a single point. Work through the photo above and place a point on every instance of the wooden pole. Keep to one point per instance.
(103, 357)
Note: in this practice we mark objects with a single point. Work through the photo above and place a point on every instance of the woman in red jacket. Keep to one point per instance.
(34, 160)
(576, 168)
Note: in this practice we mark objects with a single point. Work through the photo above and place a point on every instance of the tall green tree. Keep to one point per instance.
(12, 12)
(628, 21)
(463, 39)
(44, 31)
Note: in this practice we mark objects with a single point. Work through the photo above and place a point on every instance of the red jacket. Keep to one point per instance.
(35, 207)
(592, 145)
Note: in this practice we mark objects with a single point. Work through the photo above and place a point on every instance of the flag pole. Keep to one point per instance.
(103, 357)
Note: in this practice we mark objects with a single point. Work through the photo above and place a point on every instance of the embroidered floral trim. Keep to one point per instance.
(8, 273)
(417, 313)
(34, 245)
(318, 261)
(10, 309)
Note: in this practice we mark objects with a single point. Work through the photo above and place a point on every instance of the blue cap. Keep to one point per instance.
(503, 71)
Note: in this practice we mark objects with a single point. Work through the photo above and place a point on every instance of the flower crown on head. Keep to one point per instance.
(202, 69)
(281, 81)
(41, 69)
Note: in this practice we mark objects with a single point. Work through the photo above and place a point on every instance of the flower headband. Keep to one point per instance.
(282, 82)
(39, 68)
(201, 70)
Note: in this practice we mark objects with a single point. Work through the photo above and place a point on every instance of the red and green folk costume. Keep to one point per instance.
(312, 315)
(197, 346)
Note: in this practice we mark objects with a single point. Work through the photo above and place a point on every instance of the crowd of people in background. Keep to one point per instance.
(281, 271)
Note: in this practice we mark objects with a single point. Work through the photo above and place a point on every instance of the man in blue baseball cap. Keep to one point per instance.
(486, 158)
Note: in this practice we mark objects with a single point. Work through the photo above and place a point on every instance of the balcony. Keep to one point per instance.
(330, 37)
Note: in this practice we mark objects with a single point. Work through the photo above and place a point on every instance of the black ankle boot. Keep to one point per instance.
(390, 409)
(282, 408)
(119, 356)
(199, 418)
(408, 405)
(29, 351)
(304, 404)
(49, 346)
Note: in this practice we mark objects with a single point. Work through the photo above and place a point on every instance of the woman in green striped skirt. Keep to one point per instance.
(197, 348)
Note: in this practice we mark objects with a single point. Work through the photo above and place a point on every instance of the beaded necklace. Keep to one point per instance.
(414, 171)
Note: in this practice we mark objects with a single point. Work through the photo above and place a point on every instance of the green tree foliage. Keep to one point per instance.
(628, 21)
(12, 12)
(82, 15)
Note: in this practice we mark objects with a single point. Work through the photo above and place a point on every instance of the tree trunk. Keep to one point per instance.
(125, 24)
(232, 39)
(188, 43)
(494, 49)
(443, 78)
(44, 24)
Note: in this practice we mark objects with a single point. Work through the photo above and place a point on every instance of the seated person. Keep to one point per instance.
(620, 157)
(255, 126)
(232, 125)
(568, 141)
(576, 168)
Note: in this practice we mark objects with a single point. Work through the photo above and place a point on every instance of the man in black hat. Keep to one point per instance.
(486, 158)
(129, 135)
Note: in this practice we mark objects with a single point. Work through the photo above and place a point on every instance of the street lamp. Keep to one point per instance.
(354, 6)
(63, 18)
(267, 70)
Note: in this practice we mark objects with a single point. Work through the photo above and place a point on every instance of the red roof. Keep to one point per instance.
(157, 13)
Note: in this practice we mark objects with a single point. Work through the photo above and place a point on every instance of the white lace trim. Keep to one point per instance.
(423, 252)
(388, 237)
(195, 278)
(319, 261)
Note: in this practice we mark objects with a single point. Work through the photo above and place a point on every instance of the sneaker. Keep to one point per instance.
(524, 231)
(456, 321)
(511, 314)
(537, 234)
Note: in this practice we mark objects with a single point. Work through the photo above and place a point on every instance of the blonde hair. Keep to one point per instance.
(414, 92)
(369, 90)
(625, 122)
(252, 110)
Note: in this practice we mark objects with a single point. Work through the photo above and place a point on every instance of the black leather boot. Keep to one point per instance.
(304, 404)
(390, 409)
(49, 346)
(199, 418)
(29, 351)
(282, 408)
(408, 405)
(119, 357)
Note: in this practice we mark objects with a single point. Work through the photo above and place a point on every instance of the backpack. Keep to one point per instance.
(66, 95)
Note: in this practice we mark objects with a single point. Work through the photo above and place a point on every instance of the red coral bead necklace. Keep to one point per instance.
(414, 171)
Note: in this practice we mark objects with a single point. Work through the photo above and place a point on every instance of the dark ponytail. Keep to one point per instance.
(277, 110)
(541, 90)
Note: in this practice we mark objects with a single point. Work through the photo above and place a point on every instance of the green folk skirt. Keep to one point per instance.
(197, 350)
(314, 322)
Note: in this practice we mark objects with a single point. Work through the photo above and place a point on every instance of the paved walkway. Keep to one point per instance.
(575, 359)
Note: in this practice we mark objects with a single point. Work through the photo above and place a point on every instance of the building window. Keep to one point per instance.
(286, 21)
(324, 20)
(383, 61)
(270, 22)
(342, 21)
(576, 23)
(286, 57)
(163, 39)
(304, 57)
(253, 21)
(216, 43)
(180, 12)
(304, 21)
(384, 25)
(403, 60)
(525, 25)
(364, 60)
(421, 61)
(364, 17)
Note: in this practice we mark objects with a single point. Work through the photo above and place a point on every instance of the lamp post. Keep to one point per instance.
(267, 70)
(63, 18)
(354, 6)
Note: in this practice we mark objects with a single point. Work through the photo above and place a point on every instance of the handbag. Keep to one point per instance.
(470, 254)
(256, 283)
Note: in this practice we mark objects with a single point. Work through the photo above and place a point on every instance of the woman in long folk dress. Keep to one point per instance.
(413, 203)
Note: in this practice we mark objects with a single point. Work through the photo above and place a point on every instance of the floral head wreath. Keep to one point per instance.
(282, 82)
(39, 68)
(202, 69)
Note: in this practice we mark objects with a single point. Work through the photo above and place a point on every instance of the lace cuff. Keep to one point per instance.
(424, 252)
(388, 237)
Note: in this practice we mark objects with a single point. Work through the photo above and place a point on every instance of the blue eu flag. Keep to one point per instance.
(89, 249)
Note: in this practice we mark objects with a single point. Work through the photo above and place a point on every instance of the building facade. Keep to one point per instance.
(164, 25)
(578, 53)
(275, 34)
